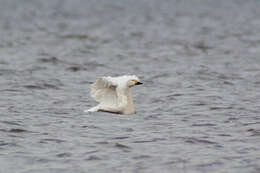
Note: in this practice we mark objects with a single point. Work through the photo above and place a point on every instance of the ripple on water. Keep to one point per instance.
(141, 157)
(152, 117)
(254, 132)
(48, 140)
(2, 143)
(41, 86)
(176, 161)
(18, 131)
(76, 68)
(122, 146)
(193, 140)
(90, 152)
(11, 123)
(220, 108)
(48, 84)
(204, 124)
(211, 164)
(93, 157)
(75, 36)
(7, 72)
(63, 155)
(90, 127)
(15, 130)
(52, 60)
(102, 142)
(120, 137)
(147, 141)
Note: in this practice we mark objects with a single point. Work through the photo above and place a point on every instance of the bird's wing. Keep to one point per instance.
(104, 91)
(122, 98)
(119, 105)
(110, 94)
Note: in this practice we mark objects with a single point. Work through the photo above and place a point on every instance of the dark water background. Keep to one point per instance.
(198, 110)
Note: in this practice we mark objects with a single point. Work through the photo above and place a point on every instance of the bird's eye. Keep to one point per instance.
(135, 81)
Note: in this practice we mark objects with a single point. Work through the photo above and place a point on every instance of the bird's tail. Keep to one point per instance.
(94, 109)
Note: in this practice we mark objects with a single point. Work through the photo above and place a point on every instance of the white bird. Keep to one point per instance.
(113, 94)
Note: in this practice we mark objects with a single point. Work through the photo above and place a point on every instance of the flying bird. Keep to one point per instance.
(113, 94)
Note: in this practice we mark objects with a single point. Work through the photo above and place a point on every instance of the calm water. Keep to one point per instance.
(198, 110)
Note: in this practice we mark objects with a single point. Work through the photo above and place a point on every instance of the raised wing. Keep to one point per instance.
(104, 91)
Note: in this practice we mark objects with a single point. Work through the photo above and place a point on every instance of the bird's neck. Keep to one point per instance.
(130, 106)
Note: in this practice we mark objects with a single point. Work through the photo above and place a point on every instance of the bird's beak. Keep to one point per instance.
(138, 83)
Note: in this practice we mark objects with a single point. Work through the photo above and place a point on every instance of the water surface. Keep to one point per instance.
(198, 110)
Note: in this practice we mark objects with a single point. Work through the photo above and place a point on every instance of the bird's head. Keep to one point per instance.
(133, 82)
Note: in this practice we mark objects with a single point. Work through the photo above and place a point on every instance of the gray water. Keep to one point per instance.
(198, 110)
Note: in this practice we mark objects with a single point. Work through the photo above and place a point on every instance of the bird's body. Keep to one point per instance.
(113, 94)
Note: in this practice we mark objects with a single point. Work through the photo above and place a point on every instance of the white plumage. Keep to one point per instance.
(113, 94)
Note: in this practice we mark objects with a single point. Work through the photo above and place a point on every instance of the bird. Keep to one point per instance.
(113, 94)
